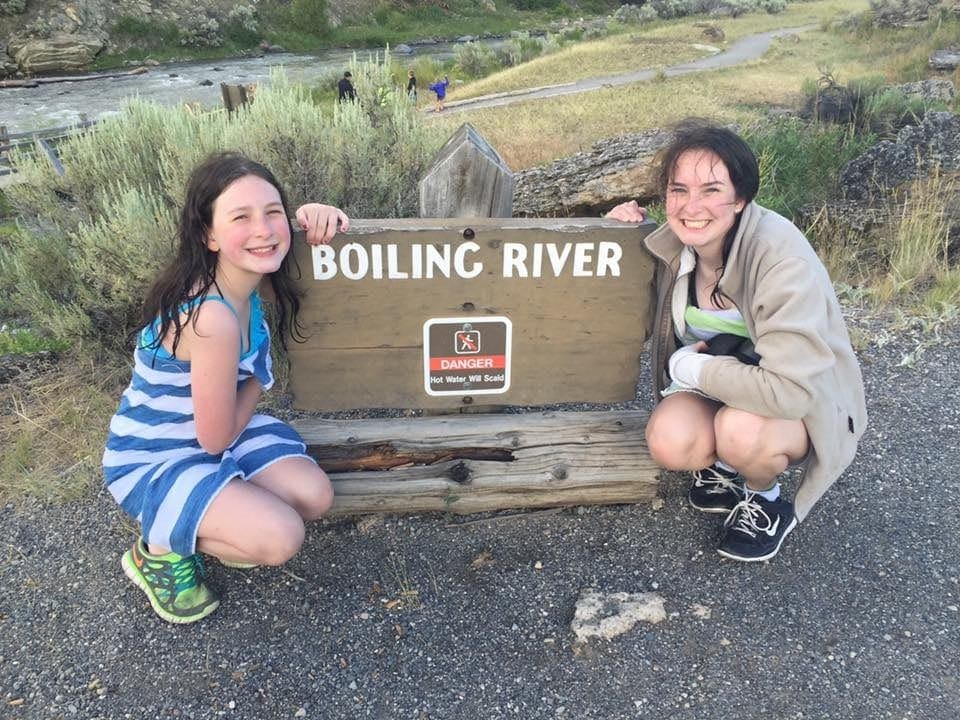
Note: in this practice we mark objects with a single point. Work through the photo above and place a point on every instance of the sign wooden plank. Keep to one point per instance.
(577, 294)
(468, 178)
(466, 464)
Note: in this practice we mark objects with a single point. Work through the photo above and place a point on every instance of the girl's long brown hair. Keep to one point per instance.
(192, 271)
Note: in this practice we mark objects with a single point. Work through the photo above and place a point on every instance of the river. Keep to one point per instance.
(65, 103)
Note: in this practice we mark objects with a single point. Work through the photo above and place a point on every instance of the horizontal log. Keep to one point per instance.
(475, 463)
(34, 81)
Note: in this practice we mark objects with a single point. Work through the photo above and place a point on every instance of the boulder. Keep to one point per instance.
(901, 13)
(916, 152)
(946, 60)
(591, 182)
(833, 104)
(872, 186)
(56, 55)
(930, 90)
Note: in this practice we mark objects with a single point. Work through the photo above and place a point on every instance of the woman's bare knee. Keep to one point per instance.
(758, 445)
(674, 448)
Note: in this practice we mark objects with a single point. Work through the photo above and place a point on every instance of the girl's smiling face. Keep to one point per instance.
(249, 229)
(701, 202)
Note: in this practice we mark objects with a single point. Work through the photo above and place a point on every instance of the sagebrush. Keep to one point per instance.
(90, 242)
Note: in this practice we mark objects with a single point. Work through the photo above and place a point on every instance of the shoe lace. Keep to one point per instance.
(748, 517)
(188, 572)
(715, 483)
(176, 576)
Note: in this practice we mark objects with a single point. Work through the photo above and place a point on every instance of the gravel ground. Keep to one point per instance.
(856, 618)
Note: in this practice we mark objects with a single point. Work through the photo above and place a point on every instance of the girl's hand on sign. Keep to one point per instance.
(628, 212)
(321, 222)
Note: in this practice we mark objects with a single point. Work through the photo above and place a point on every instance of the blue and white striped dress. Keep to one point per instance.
(154, 465)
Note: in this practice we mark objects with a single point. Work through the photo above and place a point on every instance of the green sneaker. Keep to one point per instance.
(173, 583)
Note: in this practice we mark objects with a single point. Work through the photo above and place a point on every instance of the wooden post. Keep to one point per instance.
(48, 151)
(484, 462)
(234, 96)
(4, 149)
(468, 178)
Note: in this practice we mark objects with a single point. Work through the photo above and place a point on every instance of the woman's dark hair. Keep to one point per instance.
(192, 271)
(734, 153)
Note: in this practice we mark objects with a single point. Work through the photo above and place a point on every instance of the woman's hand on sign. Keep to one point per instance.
(628, 212)
(321, 222)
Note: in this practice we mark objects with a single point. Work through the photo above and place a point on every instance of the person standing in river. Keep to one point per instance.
(753, 370)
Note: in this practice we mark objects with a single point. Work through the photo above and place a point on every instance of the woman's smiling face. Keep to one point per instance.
(701, 202)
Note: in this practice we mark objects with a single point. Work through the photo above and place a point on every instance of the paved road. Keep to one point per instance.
(856, 618)
(744, 49)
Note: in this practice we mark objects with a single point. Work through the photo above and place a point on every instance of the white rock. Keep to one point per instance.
(700, 611)
(606, 615)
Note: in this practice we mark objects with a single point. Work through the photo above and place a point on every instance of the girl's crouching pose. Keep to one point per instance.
(187, 456)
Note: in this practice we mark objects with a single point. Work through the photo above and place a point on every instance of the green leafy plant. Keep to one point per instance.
(799, 162)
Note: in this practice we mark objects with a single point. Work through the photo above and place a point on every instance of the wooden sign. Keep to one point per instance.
(575, 294)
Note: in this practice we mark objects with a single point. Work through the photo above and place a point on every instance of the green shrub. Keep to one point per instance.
(12, 7)
(800, 163)
(21, 341)
(519, 49)
(242, 26)
(534, 4)
(91, 241)
(144, 32)
(309, 16)
(884, 113)
(475, 59)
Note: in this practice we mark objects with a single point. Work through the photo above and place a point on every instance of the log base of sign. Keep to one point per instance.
(476, 463)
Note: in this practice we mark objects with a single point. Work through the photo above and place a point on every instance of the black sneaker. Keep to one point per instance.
(756, 527)
(715, 490)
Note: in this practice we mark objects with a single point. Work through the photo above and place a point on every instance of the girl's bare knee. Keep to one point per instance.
(284, 542)
(320, 500)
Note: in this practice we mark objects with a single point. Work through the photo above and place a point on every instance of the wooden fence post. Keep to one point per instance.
(50, 152)
(4, 149)
(234, 96)
(468, 179)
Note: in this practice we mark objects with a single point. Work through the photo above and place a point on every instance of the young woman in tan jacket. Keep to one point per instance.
(753, 369)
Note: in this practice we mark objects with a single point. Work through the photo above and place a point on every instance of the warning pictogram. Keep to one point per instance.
(466, 356)
(466, 342)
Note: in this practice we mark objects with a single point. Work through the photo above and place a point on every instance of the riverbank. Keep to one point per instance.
(50, 38)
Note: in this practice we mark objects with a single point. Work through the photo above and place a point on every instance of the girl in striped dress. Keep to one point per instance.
(188, 456)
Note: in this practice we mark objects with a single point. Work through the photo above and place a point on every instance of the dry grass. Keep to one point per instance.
(52, 430)
(661, 44)
(568, 124)
(906, 259)
(610, 56)
(916, 243)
